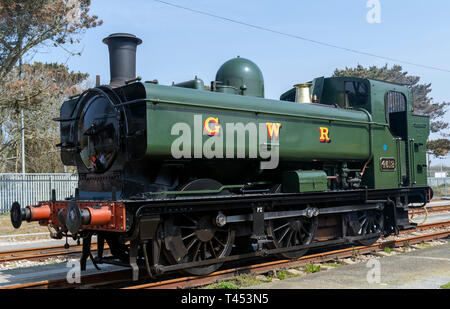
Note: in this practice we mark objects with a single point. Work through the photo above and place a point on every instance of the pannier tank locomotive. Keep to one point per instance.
(186, 177)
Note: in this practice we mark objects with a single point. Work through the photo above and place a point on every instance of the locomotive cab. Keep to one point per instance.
(398, 144)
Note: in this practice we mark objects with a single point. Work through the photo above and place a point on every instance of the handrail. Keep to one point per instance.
(156, 101)
(412, 163)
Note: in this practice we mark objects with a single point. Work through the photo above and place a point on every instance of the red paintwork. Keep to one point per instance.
(115, 211)
(39, 213)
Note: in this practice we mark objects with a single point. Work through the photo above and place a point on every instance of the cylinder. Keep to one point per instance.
(39, 213)
(99, 216)
(122, 57)
(303, 93)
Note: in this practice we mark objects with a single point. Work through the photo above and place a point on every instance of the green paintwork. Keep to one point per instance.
(414, 136)
(299, 132)
(304, 181)
(196, 83)
(243, 75)
(419, 127)
(360, 135)
(226, 89)
(384, 143)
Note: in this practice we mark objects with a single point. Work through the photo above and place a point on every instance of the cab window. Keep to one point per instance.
(395, 102)
(356, 94)
(396, 113)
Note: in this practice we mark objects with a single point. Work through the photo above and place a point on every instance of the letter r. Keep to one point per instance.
(324, 131)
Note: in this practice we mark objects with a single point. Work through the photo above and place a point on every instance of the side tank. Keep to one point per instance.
(306, 132)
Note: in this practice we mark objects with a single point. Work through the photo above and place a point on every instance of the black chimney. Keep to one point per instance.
(122, 57)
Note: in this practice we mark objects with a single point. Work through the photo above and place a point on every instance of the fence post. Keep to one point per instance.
(445, 185)
(52, 183)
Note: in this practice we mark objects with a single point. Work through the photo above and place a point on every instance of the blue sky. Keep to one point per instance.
(177, 44)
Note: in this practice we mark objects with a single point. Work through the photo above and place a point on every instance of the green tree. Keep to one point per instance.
(37, 90)
(27, 24)
(421, 100)
(44, 86)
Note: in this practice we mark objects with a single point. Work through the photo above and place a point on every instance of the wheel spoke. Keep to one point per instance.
(197, 250)
(364, 227)
(197, 234)
(212, 249)
(288, 243)
(188, 227)
(204, 251)
(190, 235)
(221, 243)
(363, 221)
(295, 232)
(284, 235)
(370, 225)
(280, 227)
(193, 241)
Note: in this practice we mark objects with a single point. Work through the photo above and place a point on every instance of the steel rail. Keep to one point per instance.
(40, 252)
(36, 253)
(86, 280)
(427, 226)
(430, 209)
(192, 281)
(121, 276)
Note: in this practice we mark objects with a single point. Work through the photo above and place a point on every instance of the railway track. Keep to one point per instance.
(123, 277)
(428, 226)
(191, 282)
(37, 253)
(42, 253)
(53, 251)
(432, 209)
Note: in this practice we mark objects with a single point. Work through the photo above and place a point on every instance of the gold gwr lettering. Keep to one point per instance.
(324, 131)
(213, 129)
(273, 129)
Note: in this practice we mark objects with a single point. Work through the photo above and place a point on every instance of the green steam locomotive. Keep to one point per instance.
(186, 177)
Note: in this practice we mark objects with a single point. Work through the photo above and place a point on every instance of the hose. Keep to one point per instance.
(424, 220)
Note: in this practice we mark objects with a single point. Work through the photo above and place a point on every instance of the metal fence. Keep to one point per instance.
(440, 185)
(28, 189)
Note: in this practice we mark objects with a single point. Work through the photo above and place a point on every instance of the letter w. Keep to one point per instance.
(273, 129)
